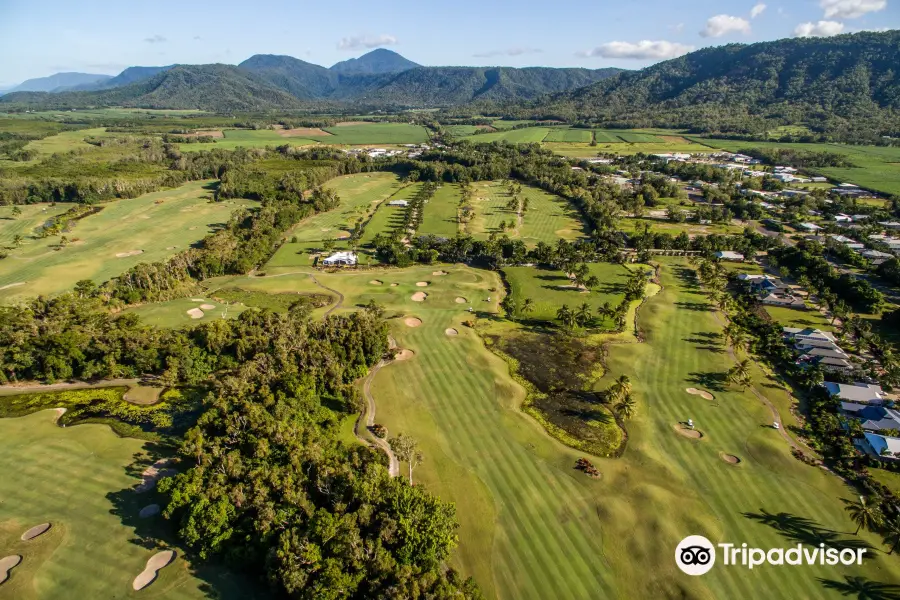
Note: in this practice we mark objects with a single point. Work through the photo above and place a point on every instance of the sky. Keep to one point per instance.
(42, 37)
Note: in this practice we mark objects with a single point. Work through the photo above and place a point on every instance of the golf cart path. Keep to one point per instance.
(369, 414)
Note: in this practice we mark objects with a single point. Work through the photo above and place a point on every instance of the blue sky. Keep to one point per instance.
(41, 37)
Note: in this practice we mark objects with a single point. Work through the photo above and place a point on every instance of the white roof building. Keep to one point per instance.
(398, 203)
(729, 255)
(809, 227)
(341, 258)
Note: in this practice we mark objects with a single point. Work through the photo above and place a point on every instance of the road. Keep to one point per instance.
(369, 415)
(31, 388)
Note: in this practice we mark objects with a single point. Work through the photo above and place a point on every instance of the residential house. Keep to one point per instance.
(873, 418)
(809, 337)
(834, 365)
(729, 255)
(398, 203)
(861, 393)
(786, 300)
(884, 447)
(810, 227)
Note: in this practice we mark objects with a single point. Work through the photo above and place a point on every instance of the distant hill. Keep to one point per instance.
(376, 62)
(129, 75)
(299, 78)
(58, 82)
(221, 88)
(736, 87)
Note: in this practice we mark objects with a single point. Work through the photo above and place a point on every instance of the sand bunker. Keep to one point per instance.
(451, 332)
(404, 354)
(152, 473)
(207, 306)
(171, 247)
(439, 273)
(412, 321)
(6, 565)
(421, 284)
(419, 297)
(731, 459)
(11, 285)
(198, 299)
(343, 235)
(127, 254)
(375, 282)
(148, 511)
(195, 313)
(394, 284)
(35, 531)
(687, 432)
(461, 300)
(156, 562)
(701, 393)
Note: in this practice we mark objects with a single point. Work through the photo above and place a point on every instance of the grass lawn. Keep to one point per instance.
(174, 313)
(79, 479)
(795, 317)
(440, 216)
(386, 218)
(629, 224)
(547, 219)
(547, 289)
(152, 227)
(68, 140)
(532, 526)
(250, 138)
(377, 133)
(360, 195)
(32, 217)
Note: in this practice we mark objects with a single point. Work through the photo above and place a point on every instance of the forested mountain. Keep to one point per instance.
(129, 75)
(297, 77)
(376, 62)
(58, 82)
(836, 81)
(208, 87)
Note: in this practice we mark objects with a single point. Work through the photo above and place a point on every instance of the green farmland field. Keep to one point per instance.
(123, 234)
(528, 134)
(569, 135)
(249, 138)
(440, 216)
(80, 480)
(640, 138)
(360, 195)
(377, 133)
(606, 137)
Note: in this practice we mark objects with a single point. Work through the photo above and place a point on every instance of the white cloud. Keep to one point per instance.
(757, 10)
(359, 42)
(820, 29)
(155, 39)
(677, 28)
(850, 9)
(508, 52)
(643, 50)
(720, 25)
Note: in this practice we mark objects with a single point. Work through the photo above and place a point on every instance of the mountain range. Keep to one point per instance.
(59, 82)
(265, 81)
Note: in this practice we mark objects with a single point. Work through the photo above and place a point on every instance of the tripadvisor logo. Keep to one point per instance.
(696, 555)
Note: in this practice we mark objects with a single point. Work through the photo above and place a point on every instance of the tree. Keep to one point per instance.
(407, 450)
(16, 212)
(508, 304)
(626, 407)
(892, 536)
(620, 388)
(17, 240)
(739, 374)
(527, 306)
(565, 314)
(863, 514)
(583, 315)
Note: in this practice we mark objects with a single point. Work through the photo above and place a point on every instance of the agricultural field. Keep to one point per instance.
(550, 289)
(640, 138)
(81, 480)
(569, 135)
(514, 136)
(503, 124)
(248, 138)
(441, 211)
(360, 195)
(877, 168)
(547, 219)
(606, 137)
(68, 140)
(124, 233)
(461, 130)
(376, 133)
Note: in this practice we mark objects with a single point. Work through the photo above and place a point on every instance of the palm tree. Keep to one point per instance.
(17, 240)
(620, 388)
(892, 536)
(583, 315)
(626, 407)
(566, 315)
(527, 306)
(739, 374)
(864, 515)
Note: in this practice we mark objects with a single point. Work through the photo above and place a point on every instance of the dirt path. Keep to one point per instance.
(28, 388)
(369, 415)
